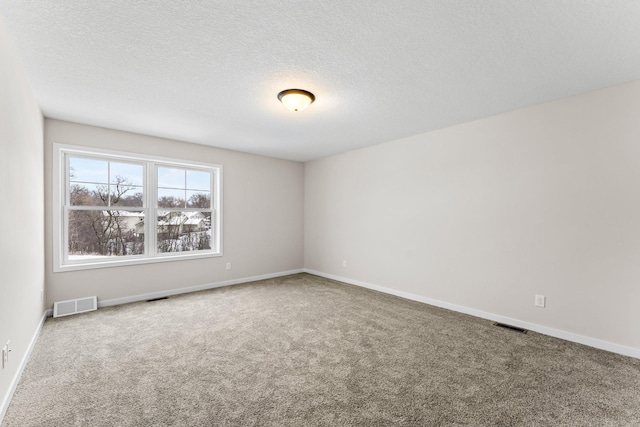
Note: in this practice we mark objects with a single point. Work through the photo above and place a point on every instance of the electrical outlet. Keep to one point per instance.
(344, 264)
(228, 266)
(540, 301)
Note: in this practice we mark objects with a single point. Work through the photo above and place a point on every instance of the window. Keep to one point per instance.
(113, 208)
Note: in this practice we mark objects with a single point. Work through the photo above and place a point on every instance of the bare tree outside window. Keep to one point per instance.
(180, 231)
(107, 231)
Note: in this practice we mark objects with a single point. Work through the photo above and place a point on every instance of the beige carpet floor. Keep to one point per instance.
(305, 351)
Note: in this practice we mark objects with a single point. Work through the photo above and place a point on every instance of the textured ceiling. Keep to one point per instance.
(209, 72)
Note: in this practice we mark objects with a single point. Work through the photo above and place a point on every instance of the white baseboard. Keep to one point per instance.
(170, 292)
(16, 378)
(568, 336)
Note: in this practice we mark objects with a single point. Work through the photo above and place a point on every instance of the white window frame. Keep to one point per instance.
(61, 262)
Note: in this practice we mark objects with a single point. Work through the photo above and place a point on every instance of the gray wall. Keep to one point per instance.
(484, 215)
(262, 219)
(22, 212)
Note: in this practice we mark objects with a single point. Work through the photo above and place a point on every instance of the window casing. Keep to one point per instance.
(115, 208)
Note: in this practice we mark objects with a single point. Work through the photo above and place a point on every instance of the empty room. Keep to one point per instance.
(320, 213)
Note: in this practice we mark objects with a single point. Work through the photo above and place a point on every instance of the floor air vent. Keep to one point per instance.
(511, 328)
(74, 306)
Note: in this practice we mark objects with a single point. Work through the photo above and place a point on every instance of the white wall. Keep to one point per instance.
(21, 215)
(484, 215)
(262, 219)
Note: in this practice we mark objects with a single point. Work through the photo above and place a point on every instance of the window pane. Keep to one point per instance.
(183, 231)
(171, 178)
(122, 195)
(168, 198)
(105, 233)
(198, 180)
(88, 170)
(81, 194)
(198, 199)
(126, 173)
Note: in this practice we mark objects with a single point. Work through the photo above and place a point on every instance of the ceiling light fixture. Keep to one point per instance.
(296, 99)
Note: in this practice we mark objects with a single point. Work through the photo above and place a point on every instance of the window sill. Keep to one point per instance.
(133, 261)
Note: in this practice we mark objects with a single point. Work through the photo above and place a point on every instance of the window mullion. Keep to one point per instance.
(108, 183)
(65, 234)
(151, 200)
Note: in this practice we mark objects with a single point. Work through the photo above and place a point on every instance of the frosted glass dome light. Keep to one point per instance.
(296, 99)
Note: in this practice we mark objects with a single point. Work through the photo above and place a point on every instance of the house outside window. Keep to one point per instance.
(114, 208)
